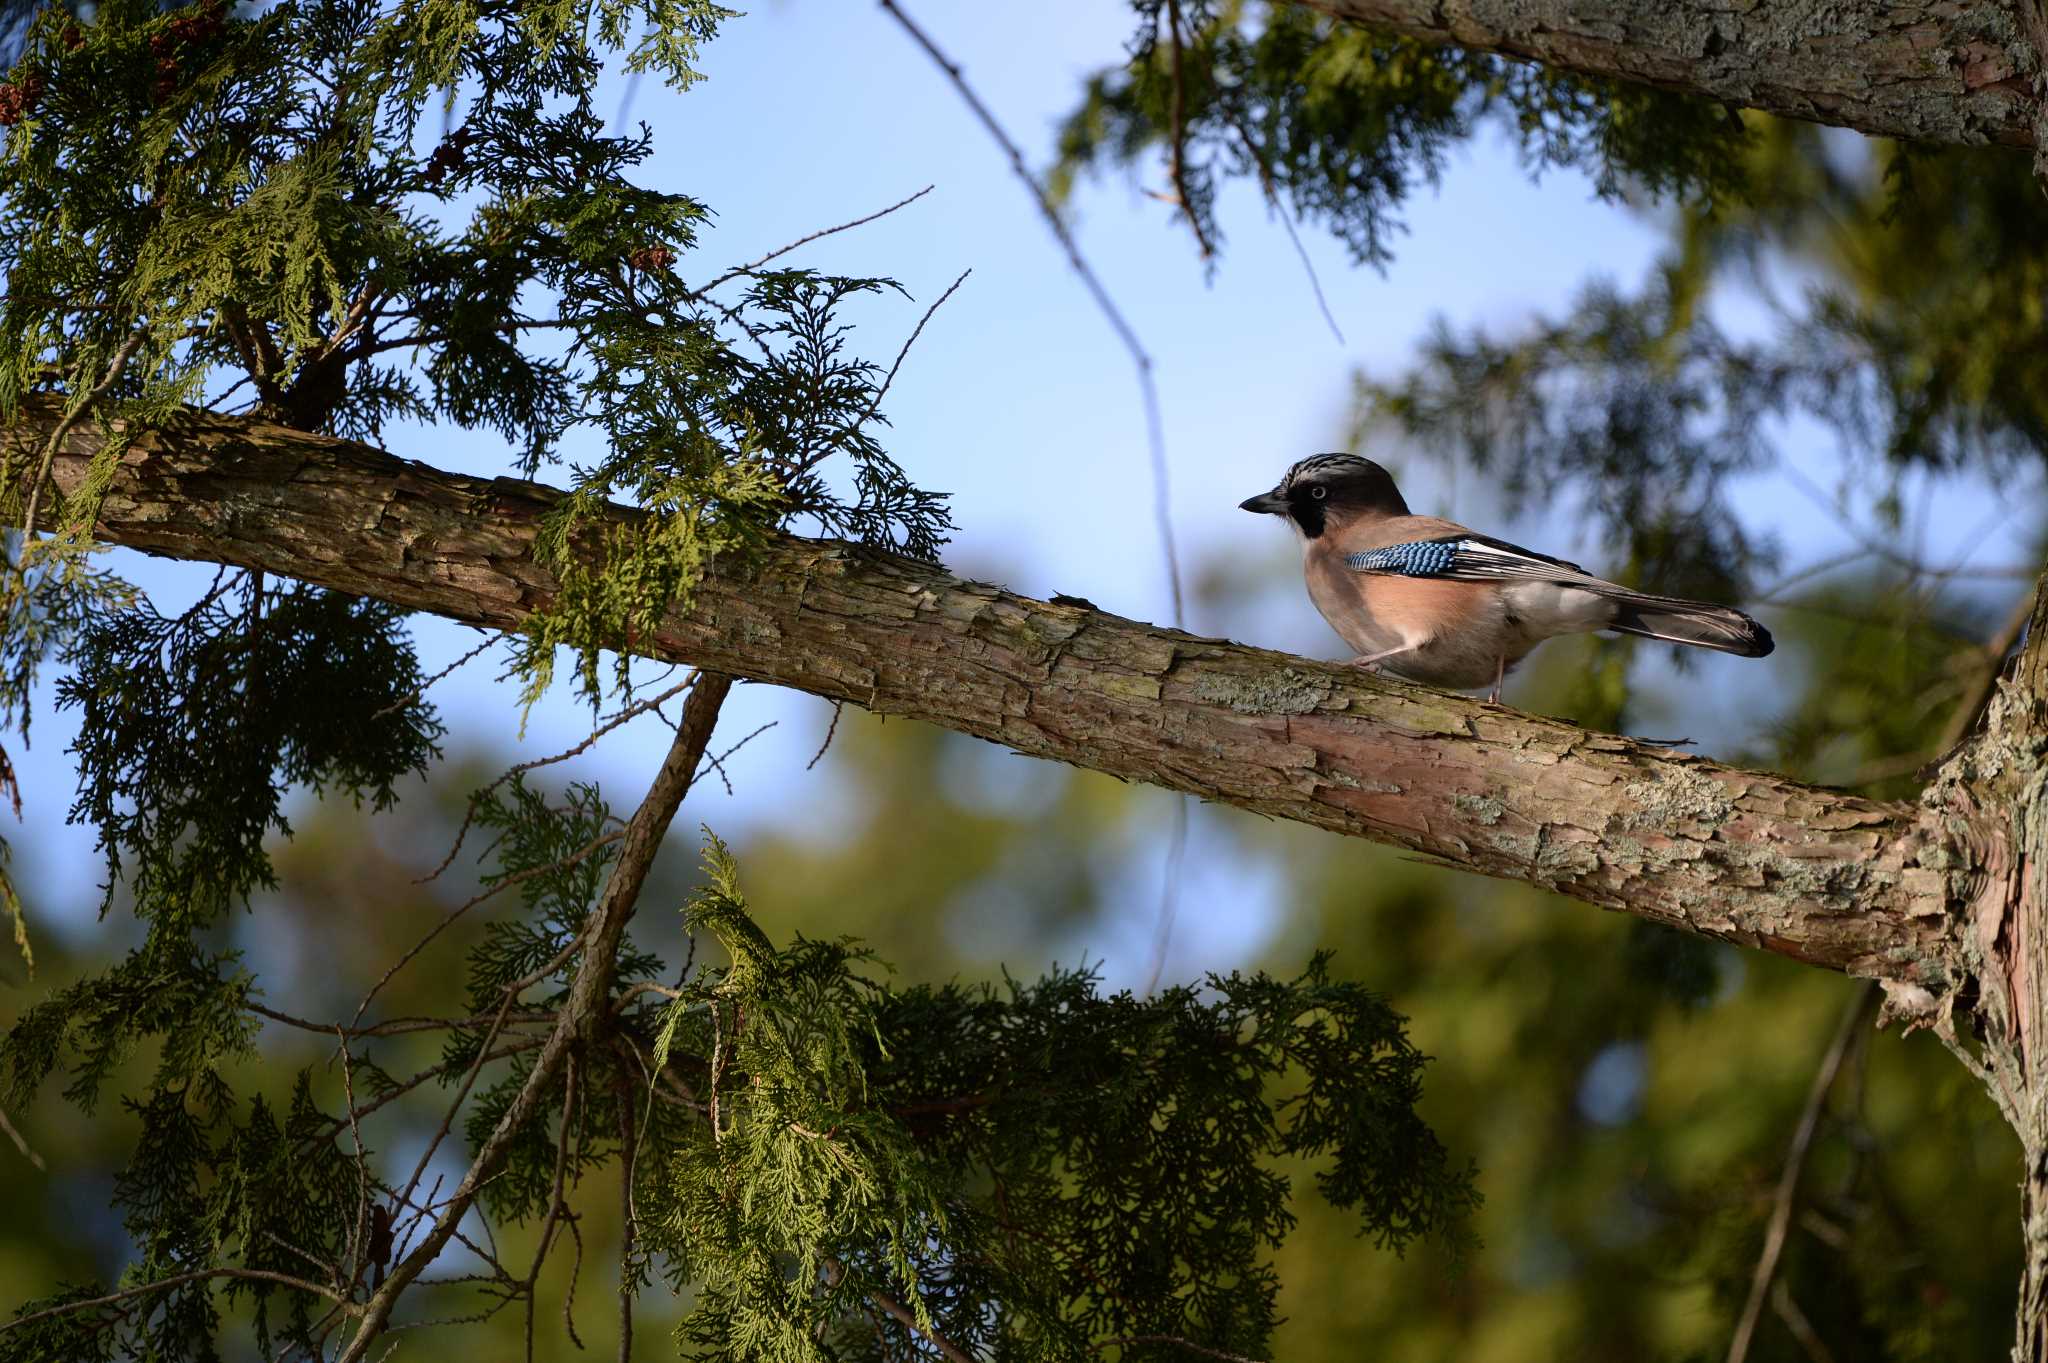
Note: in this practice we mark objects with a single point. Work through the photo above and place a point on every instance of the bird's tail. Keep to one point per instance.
(1690, 622)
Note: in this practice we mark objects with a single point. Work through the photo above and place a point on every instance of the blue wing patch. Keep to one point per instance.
(1417, 558)
(1472, 558)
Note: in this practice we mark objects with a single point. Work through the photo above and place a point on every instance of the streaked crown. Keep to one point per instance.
(1329, 467)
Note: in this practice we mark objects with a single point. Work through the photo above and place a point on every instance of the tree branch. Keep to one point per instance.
(254, 1275)
(585, 1011)
(1919, 70)
(901, 1314)
(1748, 857)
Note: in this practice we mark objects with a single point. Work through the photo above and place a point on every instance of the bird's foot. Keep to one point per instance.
(1370, 662)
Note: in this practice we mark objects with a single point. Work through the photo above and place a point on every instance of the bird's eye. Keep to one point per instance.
(1319, 492)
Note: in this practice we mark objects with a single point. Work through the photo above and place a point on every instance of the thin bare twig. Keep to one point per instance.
(1973, 697)
(261, 1275)
(632, 93)
(1139, 356)
(359, 1226)
(717, 763)
(1915, 567)
(63, 428)
(27, 1151)
(1141, 359)
(1177, 1342)
(518, 878)
(903, 1316)
(330, 1269)
(818, 456)
(838, 707)
(780, 251)
(1985, 683)
(511, 993)
(392, 1026)
(1279, 210)
(1169, 893)
(557, 1207)
(626, 1153)
(1802, 1329)
(915, 332)
(521, 768)
(422, 689)
(1795, 1169)
(400, 1089)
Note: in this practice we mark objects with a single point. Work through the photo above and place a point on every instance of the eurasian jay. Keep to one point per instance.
(1428, 600)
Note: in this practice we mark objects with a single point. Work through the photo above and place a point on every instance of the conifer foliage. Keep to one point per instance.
(338, 215)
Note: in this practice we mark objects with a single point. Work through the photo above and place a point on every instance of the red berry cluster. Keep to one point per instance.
(651, 258)
(18, 97)
(450, 157)
(201, 27)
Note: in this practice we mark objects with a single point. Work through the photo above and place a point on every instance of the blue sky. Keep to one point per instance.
(1018, 398)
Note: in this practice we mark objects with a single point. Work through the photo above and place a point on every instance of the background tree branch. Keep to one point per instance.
(1918, 70)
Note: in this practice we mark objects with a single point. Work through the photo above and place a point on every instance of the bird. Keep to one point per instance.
(1430, 601)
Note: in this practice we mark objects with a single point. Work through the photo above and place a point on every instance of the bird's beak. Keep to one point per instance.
(1265, 504)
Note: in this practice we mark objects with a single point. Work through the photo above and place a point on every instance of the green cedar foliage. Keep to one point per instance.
(1064, 1166)
(339, 216)
(196, 205)
(191, 728)
(1027, 1170)
(1344, 122)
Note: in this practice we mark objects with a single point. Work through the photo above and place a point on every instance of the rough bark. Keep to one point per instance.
(1749, 857)
(1922, 70)
(1995, 793)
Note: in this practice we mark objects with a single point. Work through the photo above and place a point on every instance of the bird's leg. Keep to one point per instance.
(1371, 661)
(1500, 674)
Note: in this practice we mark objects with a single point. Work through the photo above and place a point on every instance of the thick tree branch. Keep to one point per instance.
(2002, 943)
(1748, 857)
(1941, 71)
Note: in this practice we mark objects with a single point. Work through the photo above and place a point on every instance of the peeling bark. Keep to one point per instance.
(1995, 792)
(1749, 857)
(2034, 23)
(1936, 71)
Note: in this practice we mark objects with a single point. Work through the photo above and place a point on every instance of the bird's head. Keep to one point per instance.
(1330, 489)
